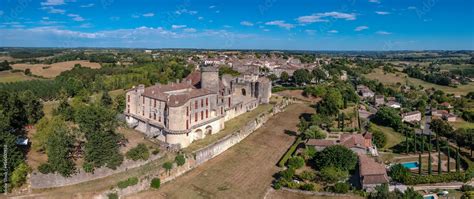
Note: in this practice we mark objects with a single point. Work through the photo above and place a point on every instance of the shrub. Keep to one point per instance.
(399, 173)
(333, 174)
(466, 187)
(155, 151)
(88, 167)
(307, 175)
(287, 174)
(180, 160)
(138, 152)
(155, 183)
(128, 182)
(290, 152)
(296, 162)
(340, 187)
(112, 196)
(307, 187)
(45, 168)
(19, 174)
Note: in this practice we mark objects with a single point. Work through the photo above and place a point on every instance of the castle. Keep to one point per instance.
(182, 112)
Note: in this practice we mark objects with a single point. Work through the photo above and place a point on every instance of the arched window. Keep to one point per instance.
(244, 92)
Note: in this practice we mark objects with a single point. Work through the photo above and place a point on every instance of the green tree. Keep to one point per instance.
(449, 158)
(33, 106)
(314, 132)
(337, 156)
(180, 159)
(98, 124)
(420, 164)
(155, 183)
(318, 74)
(379, 139)
(399, 173)
(331, 103)
(168, 166)
(458, 161)
(439, 162)
(388, 117)
(430, 168)
(106, 100)
(58, 149)
(296, 162)
(302, 76)
(284, 76)
(441, 127)
(65, 110)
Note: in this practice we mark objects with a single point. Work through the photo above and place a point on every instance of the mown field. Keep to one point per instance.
(7, 76)
(398, 77)
(53, 70)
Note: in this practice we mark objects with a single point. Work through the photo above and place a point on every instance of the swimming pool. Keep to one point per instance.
(429, 197)
(410, 165)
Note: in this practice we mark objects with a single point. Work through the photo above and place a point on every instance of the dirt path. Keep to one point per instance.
(243, 171)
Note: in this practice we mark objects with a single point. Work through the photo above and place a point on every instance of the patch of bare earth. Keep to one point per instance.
(298, 94)
(53, 70)
(283, 194)
(243, 171)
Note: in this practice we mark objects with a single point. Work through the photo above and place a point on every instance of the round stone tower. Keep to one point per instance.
(210, 78)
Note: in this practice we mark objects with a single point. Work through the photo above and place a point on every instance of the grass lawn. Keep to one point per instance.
(393, 138)
(393, 78)
(7, 76)
(460, 123)
(230, 127)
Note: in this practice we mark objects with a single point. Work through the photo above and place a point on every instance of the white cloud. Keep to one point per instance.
(53, 10)
(382, 13)
(189, 30)
(52, 3)
(178, 26)
(85, 25)
(227, 26)
(212, 7)
(200, 18)
(411, 8)
(218, 11)
(333, 31)
(381, 32)
(266, 30)
(76, 17)
(150, 14)
(185, 11)
(87, 5)
(135, 16)
(374, 1)
(323, 17)
(280, 23)
(246, 23)
(361, 28)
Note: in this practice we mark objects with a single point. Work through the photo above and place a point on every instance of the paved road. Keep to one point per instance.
(243, 171)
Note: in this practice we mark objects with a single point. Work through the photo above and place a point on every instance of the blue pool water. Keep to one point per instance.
(428, 197)
(410, 165)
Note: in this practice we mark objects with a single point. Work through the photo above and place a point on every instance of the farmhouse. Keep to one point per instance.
(414, 116)
(379, 100)
(393, 104)
(361, 144)
(179, 113)
(371, 173)
(364, 91)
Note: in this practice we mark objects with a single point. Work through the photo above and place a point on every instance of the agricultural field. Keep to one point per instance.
(398, 77)
(53, 70)
(245, 169)
(7, 76)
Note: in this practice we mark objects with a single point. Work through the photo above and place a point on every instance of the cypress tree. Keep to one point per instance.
(419, 164)
(414, 140)
(449, 159)
(457, 161)
(430, 169)
(439, 162)
(422, 143)
(406, 142)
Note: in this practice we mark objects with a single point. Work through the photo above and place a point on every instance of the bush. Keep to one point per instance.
(341, 187)
(19, 174)
(155, 151)
(287, 174)
(307, 175)
(180, 160)
(333, 174)
(296, 162)
(379, 139)
(88, 167)
(290, 152)
(155, 183)
(307, 187)
(128, 182)
(45, 168)
(336, 156)
(138, 152)
(112, 196)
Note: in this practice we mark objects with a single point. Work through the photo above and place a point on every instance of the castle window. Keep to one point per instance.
(155, 104)
(128, 98)
(196, 117)
(187, 124)
(128, 108)
(159, 118)
(143, 98)
(222, 110)
(202, 115)
(154, 116)
(206, 113)
(202, 103)
(229, 101)
(243, 92)
(187, 111)
(195, 104)
(207, 102)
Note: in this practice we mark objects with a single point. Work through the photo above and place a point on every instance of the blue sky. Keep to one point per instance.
(244, 24)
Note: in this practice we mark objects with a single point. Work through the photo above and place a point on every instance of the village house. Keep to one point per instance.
(414, 116)
(371, 173)
(379, 100)
(364, 91)
(393, 104)
(179, 113)
(360, 144)
(443, 114)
